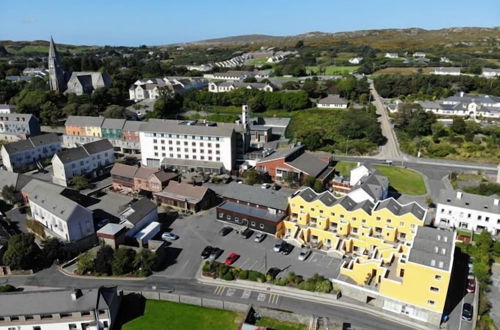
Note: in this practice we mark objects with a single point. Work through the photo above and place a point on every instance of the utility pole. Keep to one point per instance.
(347, 145)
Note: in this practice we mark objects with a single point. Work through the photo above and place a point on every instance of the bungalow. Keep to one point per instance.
(490, 73)
(391, 55)
(450, 71)
(126, 177)
(333, 101)
(355, 60)
(187, 197)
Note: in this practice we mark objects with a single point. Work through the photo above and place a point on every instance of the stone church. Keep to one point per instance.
(73, 82)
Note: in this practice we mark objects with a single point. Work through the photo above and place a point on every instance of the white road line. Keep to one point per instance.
(219, 290)
(261, 297)
(253, 265)
(230, 292)
(244, 263)
(273, 298)
(246, 294)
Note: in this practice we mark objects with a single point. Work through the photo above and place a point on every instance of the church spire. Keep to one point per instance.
(56, 73)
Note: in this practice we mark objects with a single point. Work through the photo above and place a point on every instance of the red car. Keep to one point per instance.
(231, 258)
(471, 285)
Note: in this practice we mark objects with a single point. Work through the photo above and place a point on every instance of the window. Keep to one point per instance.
(261, 226)
(252, 223)
(155, 140)
(430, 302)
(437, 277)
(378, 218)
(434, 289)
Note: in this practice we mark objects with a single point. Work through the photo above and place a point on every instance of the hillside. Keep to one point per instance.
(38, 47)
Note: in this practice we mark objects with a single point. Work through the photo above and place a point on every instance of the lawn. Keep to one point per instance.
(258, 61)
(280, 325)
(403, 180)
(165, 315)
(403, 70)
(344, 168)
(333, 69)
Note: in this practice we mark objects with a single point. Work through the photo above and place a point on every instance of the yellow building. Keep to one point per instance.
(387, 251)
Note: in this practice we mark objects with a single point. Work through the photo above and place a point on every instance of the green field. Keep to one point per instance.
(165, 315)
(258, 61)
(280, 325)
(344, 168)
(332, 69)
(403, 180)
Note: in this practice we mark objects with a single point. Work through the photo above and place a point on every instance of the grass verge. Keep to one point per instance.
(403, 180)
(280, 325)
(344, 168)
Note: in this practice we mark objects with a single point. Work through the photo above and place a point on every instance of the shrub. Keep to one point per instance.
(206, 267)
(256, 276)
(228, 276)
(307, 285)
(36, 227)
(324, 286)
(221, 270)
(243, 275)
(7, 288)
(85, 263)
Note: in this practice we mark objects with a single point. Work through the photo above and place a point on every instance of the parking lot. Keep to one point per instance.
(200, 230)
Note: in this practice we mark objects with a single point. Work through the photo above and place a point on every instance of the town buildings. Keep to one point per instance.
(490, 73)
(364, 183)
(391, 55)
(151, 88)
(447, 71)
(186, 197)
(461, 104)
(60, 309)
(253, 207)
(390, 258)
(7, 108)
(138, 215)
(333, 101)
(15, 126)
(233, 75)
(355, 60)
(136, 179)
(227, 86)
(88, 159)
(25, 155)
(464, 211)
(73, 82)
(59, 211)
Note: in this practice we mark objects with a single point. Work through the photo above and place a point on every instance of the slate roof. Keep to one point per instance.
(44, 139)
(110, 229)
(72, 154)
(132, 126)
(144, 172)
(98, 146)
(400, 209)
(433, 247)
(469, 201)
(333, 99)
(15, 117)
(183, 191)
(140, 209)
(180, 127)
(113, 123)
(257, 195)
(281, 153)
(374, 184)
(251, 211)
(84, 121)
(55, 301)
(31, 142)
(309, 164)
(17, 180)
(127, 171)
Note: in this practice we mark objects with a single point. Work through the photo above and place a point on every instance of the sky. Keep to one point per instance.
(159, 22)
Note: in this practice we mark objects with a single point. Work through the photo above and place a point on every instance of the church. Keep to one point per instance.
(73, 82)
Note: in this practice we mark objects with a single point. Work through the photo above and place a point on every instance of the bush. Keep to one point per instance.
(206, 267)
(7, 288)
(256, 276)
(22, 252)
(228, 276)
(123, 261)
(85, 263)
(324, 286)
(243, 275)
(103, 260)
(36, 227)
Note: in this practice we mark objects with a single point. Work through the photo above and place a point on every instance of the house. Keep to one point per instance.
(126, 177)
(138, 215)
(227, 86)
(27, 154)
(355, 60)
(16, 180)
(364, 183)
(186, 197)
(57, 209)
(151, 88)
(185, 145)
(391, 55)
(419, 55)
(89, 159)
(35, 72)
(333, 101)
(95, 308)
(233, 75)
(15, 126)
(444, 60)
(450, 71)
(465, 105)
(112, 234)
(84, 126)
(387, 252)
(295, 163)
(464, 211)
(253, 207)
(112, 129)
(490, 73)
(19, 78)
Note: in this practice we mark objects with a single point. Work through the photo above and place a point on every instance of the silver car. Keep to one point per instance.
(259, 237)
(304, 254)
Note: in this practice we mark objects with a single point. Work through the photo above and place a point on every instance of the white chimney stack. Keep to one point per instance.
(459, 194)
(495, 201)
(498, 173)
(245, 116)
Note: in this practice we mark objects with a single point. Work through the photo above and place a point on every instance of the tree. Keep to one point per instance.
(144, 262)
(299, 44)
(458, 126)
(103, 260)
(309, 181)
(53, 249)
(11, 195)
(250, 80)
(50, 113)
(252, 177)
(80, 182)
(22, 252)
(123, 261)
(85, 263)
(166, 106)
(318, 186)
(115, 111)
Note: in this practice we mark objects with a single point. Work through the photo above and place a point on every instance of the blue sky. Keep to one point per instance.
(155, 22)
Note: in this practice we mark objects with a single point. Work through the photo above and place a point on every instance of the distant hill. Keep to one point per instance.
(37, 47)
(381, 39)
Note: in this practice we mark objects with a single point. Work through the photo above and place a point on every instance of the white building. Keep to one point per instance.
(447, 71)
(333, 101)
(139, 215)
(233, 75)
(7, 108)
(419, 55)
(227, 86)
(490, 73)
(391, 55)
(151, 88)
(456, 209)
(35, 72)
(23, 155)
(188, 145)
(55, 309)
(88, 159)
(60, 216)
(474, 106)
(355, 60)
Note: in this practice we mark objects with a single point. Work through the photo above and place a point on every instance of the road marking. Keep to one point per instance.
(230, 292)
(219, 290)
(261, 297)
(244, 263)
(311, 257)
(273, 298)
(246, 294)
(253, 265)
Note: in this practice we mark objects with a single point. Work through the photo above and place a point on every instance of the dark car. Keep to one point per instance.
(206, 252)
(216, 252)
(286, 249)
(247, 233)
(273, 272)
(467, 312)
(225, 230)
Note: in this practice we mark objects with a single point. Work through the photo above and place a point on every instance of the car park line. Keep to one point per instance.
(273, 298)
(261, 297)
(219, 290)
(230, 292)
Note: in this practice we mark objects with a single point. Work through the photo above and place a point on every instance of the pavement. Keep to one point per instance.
(494, 293)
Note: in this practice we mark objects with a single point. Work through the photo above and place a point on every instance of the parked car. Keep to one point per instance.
(231, 258)
(225, 230)
(216, 252)
(287, 248)
(467, 312)
(265, 186)
(278, 246)
(304, 254)
(471, 285)
(206, 252)
(246, 233)
(259, 237)
(169, 235)
(274, 271)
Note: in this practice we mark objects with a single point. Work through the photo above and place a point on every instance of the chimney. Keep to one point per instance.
(459, 194)
(77, 293)
(461, 94)
(496, 201)
(245, 116)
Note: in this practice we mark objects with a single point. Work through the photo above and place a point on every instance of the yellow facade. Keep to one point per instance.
(93, 131)
(377, 242)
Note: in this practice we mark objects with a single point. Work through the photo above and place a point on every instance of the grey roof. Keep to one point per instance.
(31, 143)
(448, 69)
(98, 146)
(309, 164)
(191, 163)
(308, 194)
(72, 154)
(182, 127)
(15, 117)
(433, 247)
(18, 146)
(327, 198)
(132, 126)
(17, 180)
(55, 301)
(112, 123)
(469, 201)
(281, 153)
(140, 209)
(45, 139)
(374, 184)
(399, 209)
(84, 121)
(257, 195)
(111, 229)
(251, 211)
(333, 99)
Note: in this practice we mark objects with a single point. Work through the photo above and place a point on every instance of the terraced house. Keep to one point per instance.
(390, 259)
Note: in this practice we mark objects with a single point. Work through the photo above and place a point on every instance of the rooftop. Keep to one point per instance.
(187, 127)
(183, 191)
(138, 210)
(433, 247)
(257, 195)
(333, 99)
(469, 201)
(251, 211)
